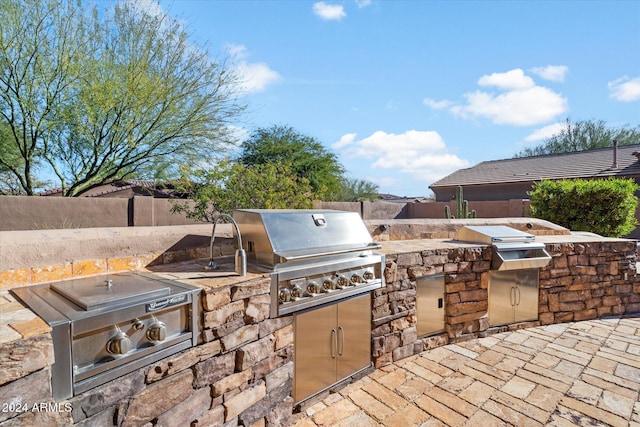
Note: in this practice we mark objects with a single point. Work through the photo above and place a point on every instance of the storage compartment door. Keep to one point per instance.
(354, 335)
(526, 298)
(315, 351)
(430, 304)
(502, 297)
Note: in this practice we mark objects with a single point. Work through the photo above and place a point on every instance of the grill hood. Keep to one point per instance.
(275, 236)
(512, 249)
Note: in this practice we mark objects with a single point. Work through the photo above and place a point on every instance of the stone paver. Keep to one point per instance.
(573, 374)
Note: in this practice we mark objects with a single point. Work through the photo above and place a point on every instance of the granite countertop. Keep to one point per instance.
(193, 273)
(18, 322)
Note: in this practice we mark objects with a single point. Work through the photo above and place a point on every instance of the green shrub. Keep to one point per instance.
(603, 206)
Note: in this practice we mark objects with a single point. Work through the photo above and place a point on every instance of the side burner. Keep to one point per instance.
(106, 326)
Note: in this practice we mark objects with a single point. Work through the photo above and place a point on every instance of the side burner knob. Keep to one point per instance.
(157, 331)
(119, 344)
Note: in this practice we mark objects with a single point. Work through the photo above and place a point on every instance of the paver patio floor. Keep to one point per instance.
(583, 373)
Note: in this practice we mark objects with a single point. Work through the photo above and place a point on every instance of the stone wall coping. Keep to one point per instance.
(393, 247)
(434, 228)
(35, 248)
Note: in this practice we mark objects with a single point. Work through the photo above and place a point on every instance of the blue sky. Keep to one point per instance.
(406, 92)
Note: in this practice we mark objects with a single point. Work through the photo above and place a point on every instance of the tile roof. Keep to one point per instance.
(158, 189)
(581, 164)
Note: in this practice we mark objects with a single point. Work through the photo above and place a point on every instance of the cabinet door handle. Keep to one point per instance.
(341, 346)
(334, 343)
(512, 296)
(518, 295)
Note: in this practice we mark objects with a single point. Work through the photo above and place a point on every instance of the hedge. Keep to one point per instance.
(603, 206)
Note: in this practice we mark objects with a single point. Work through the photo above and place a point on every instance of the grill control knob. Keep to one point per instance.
(284, 295)
(119, 344)
(368, 275)
(328, 285)
(313, 288)
(296, 292)
(342, 282)
(157, 331)
(355, 279)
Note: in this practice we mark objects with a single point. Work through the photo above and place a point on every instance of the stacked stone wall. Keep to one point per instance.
(583, 281)
(589, 280)
(394, 334)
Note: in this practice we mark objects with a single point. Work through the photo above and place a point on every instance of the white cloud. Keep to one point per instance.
(253, 77)
(625, 89)
(239, 133)
(383, 181)
(437, 105)
(236, 50)
(150, 7)
(329, 11)
(346, 140)
(546, 132)
(511, 80)
(520, 103)
(363, 3)
(421, 154)
(555, 73)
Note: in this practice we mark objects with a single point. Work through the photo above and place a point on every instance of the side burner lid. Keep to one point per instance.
(95, 292)
(492, 234)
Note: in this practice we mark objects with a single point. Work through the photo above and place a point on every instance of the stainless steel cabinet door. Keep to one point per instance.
(526, 301)
(315, 351)
(501, 297)
(354, 335)
(430, 304)
(513, 296)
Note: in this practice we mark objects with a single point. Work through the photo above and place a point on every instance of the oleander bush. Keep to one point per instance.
(603, 206)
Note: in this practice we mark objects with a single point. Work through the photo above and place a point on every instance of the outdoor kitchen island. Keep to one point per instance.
(242, 371)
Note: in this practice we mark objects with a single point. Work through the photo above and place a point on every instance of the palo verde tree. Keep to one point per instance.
(39, 41)
(584, 135)
(228, 185)
(106, 95)
(305, 156)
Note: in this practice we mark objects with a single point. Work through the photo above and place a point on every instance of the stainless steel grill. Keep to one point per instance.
(106, 326)
(322, 269)
(314, 256)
